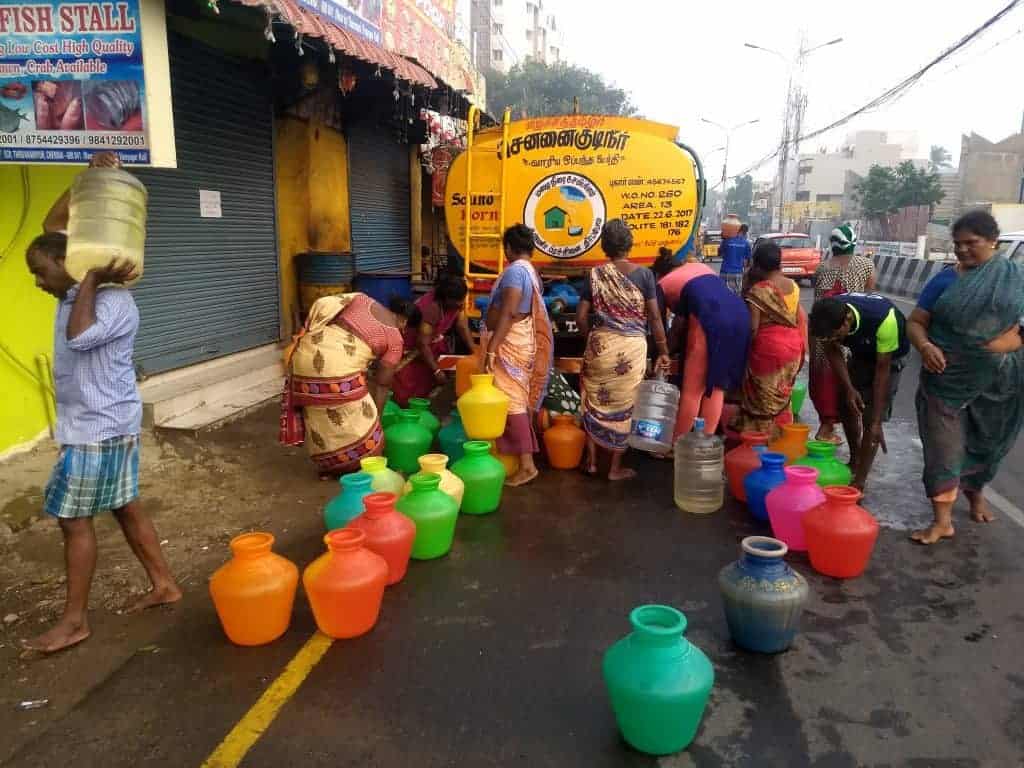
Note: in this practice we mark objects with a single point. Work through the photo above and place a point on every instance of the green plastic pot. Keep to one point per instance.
(484, 478)
(658, 682)
(435, 514)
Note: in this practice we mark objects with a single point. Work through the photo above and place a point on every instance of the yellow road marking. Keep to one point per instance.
(230, 752)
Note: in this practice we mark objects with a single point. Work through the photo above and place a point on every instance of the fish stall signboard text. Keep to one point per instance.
(71, 82)
(359, 16)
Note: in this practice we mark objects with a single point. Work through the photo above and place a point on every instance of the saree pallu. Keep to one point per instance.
(327, 403)
(774, 360)
(970, 415)
(615, 359)
(522, 365)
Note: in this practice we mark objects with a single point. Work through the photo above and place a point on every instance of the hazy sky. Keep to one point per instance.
(683, 60)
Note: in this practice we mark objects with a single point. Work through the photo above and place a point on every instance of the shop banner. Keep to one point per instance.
(424, 30)
(361, 17)
(71, 82)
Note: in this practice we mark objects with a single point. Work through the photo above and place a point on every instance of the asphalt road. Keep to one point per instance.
(491, 656)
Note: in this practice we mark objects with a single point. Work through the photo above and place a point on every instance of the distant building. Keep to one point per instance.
(990, 172)
(945, 211)
(822, 176)
(509, 32)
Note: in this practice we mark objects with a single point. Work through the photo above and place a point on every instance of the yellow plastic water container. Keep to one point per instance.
(107, 222)
(484, 408)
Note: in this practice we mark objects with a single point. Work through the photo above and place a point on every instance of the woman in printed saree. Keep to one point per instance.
(970, 403)
(519, 348)
(844, 272)
(779, 328)
(329, 401)
(622, 298)
(441, 310)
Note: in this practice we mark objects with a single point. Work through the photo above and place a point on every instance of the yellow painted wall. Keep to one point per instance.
(311, 162)
(26, 313)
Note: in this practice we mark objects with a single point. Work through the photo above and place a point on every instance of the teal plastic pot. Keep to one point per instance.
(348, 505)
(658, 682)
(451, 437)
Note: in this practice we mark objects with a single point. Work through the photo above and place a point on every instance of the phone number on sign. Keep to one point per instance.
(60, 139)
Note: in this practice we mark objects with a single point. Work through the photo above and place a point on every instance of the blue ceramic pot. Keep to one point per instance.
(348, 505)
(763, 596)
(759, 484)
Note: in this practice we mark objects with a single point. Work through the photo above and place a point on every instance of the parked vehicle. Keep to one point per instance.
(1011, 245)
(564, 177)
(712, 239)
(800, 255)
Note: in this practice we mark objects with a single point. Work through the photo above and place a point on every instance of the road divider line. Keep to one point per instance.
(230, 752)
(1005, 506)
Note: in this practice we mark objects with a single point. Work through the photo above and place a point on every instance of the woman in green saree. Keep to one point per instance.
(970, 404)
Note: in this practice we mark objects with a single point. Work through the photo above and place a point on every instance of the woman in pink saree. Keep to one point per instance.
(441, 310)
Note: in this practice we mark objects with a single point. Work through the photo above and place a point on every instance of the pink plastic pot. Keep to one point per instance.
(788, 503)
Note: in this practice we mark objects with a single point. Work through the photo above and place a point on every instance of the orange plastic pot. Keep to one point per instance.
(465, 367)
(564, 442)
(254, 591)
(741, 461)
(840, 534)
(346, 585)
(389, 533)
(793, 443)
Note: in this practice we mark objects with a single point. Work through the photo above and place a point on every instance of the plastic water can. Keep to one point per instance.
(654, 416)
(699, 463)
(107, 221)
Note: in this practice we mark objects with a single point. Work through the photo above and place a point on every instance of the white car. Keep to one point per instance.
(1011, 245)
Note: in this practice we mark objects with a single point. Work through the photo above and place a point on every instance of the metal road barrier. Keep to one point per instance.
(903, 276)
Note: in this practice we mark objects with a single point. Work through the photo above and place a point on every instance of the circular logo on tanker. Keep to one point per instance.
(566, 212)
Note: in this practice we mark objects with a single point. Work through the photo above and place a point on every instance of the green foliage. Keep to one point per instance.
(740, 196)
(543, 90)
(886, 190)
(939, 157)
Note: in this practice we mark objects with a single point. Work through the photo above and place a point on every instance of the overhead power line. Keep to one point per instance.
(893, 93)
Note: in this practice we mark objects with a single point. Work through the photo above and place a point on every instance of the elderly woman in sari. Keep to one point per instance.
(329, 401)
(519, 348)
(970, 403)
(779, 328)
(623, 299)
(441, 311)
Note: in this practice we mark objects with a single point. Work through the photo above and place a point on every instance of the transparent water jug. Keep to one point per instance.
(107, 221)
(699, 464)
(654, 416)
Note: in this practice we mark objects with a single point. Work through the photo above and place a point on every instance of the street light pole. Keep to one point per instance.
(795, 67)
(728, 141)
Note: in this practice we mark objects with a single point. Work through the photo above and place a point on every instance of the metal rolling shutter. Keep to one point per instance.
(379, 198)
(211, 285)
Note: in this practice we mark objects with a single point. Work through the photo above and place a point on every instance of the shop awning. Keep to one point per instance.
(310, 25)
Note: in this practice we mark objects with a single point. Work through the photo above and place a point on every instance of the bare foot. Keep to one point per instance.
(61, 635)
(157, 596)
(981, 512)
(522, 477)
(622, 474)
(933, 534)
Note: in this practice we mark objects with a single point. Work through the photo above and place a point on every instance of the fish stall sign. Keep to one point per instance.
(72, 82)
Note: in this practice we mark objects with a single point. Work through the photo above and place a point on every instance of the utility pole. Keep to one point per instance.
(795, 105)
